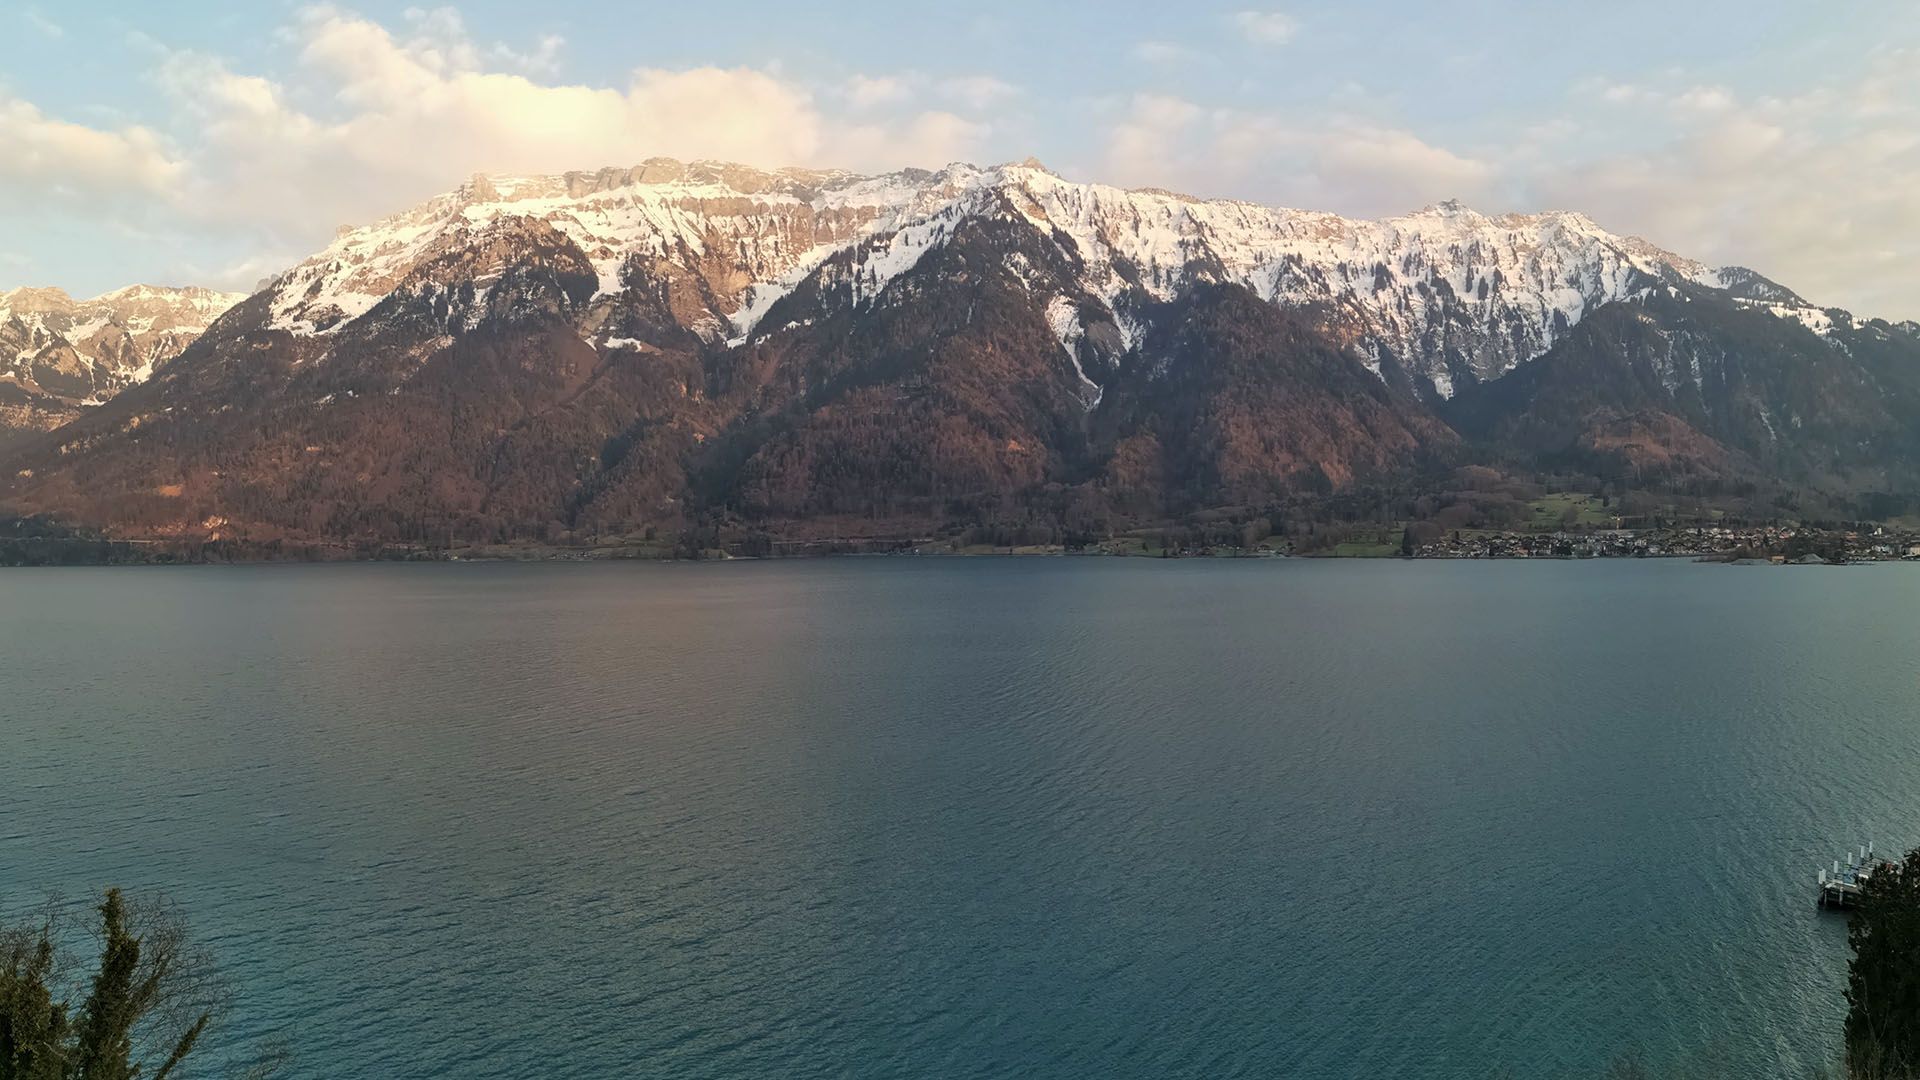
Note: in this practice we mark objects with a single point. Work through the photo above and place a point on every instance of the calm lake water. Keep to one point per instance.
(1025, 817)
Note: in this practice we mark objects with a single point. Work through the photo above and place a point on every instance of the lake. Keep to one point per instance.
(894, 817)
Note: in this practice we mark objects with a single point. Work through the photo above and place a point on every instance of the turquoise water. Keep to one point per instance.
(1025, 817)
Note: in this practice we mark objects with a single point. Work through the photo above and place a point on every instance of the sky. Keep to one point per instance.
(219, 143)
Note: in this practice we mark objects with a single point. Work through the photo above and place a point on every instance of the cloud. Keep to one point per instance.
(542, 59)
(1389, 166)
(247, 273)
(1691, 99)
(412, 112)
(439, 37)
(41, 156)
(1614, 93)
(869, 92)
(35, 18)
(872, 91)
(1166, 53)
(1266, 27)
(1141, 145)
(1813, 189)
(930, 139)
(1335, 161)
(1706, 99)
(48, 27)
(979, 91)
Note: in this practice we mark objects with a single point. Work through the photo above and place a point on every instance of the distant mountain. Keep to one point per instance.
(806, 353)
(59, 355)
(1683, 385)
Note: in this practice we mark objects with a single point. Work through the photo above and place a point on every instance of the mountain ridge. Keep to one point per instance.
(685, 346)
(59, 355)
(1409, 284)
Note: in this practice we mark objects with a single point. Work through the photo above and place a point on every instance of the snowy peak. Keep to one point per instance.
(1744, 284)
(140, 307)
(732, 227)
(1440, 296)
(32, 301)
(1446, 208)
(87, 350)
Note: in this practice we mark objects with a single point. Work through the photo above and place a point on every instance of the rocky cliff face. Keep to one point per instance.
(59, 355)
(674, 346)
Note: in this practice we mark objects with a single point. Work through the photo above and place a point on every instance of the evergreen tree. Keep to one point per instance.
(1883, 984)
(34, 1029)
(147, 1004)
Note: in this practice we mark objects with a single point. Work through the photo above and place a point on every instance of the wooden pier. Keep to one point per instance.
(1841, 887)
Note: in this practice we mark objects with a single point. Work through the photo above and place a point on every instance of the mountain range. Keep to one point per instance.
(58, 355)
(676, 348)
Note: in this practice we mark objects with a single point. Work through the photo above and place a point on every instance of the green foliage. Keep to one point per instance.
(34, 1028)
(1568, 510)
(1883, 984)
(147, 1004)
(1826, 545)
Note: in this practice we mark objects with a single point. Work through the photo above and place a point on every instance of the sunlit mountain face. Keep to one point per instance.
(678, 346)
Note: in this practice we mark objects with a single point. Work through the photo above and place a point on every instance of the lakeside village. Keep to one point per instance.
(1771, 544)
(32, 542)
(1777, 544)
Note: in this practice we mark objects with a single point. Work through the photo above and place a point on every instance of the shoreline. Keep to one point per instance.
(40, 542)
(135, 554)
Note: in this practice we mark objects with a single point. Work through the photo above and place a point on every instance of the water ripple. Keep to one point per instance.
(982, 818)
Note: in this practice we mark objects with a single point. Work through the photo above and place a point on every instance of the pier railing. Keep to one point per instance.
(1842, 886)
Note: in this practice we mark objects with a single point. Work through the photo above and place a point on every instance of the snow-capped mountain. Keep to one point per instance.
(1444, 295)
(64, 354)
(674, 349)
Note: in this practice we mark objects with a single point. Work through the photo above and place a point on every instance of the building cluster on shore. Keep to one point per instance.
(1767, 543)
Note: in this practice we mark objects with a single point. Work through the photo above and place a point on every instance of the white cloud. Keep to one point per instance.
(929, 140)
(1706, 99)
(979, 91)
(42, 156)
(873, 91)
(440, 39)
(1691, 99)
(244, 274)
(542, 59)
(1815, 190)
(1617, 93)
(39, 21)
(1266, 27)
(414, 112)
(1141, 146)
(1164, 53)
(1334, 162)
(1392, 167)
(1813, 187)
